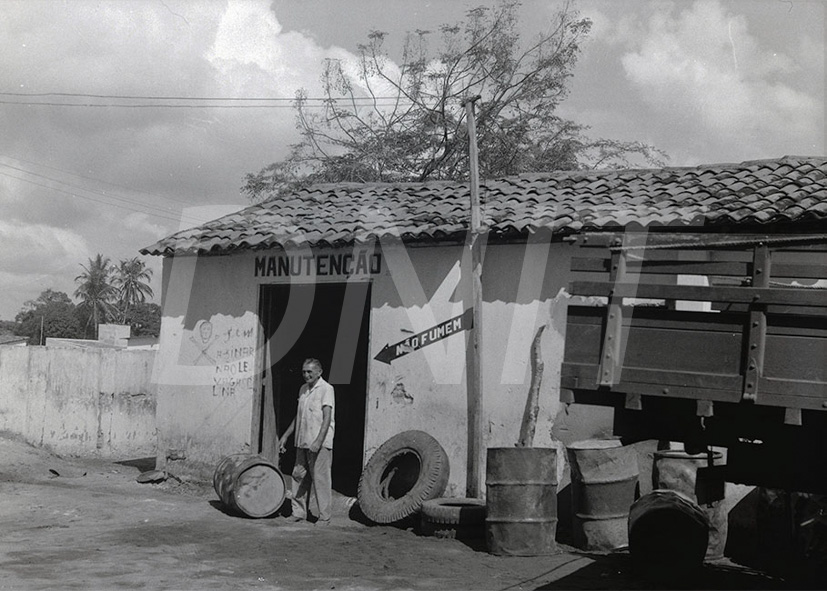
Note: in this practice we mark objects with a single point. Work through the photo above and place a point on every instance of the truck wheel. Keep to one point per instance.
(406, 470)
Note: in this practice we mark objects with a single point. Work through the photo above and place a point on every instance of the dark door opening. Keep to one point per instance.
(336, 333)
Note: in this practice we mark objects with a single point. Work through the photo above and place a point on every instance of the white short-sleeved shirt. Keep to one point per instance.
(309, 414)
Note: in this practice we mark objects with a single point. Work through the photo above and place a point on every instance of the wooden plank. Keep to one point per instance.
(706, 268)
(795, 358)
(715, 352)
(590, 265)
(652, 317)
(661, 265)
(474, 341)
(584, 376)
(797, 310)
(799, 271)
(756, 334)
(708, 240)
(774, 393)
(678, 392)
(799, 325)
(790, 390)
(613, 349)
(785, 296)
(694, 351)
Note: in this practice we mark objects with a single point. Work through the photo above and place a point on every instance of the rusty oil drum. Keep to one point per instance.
(668, 535)
(604, 478)
(677, 470)
(250, 485)
(521, 491)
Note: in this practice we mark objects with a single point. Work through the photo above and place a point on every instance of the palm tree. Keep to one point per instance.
(96, 292)
(131, 280)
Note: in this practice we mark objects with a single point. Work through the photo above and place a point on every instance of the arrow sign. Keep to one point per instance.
(464, 321)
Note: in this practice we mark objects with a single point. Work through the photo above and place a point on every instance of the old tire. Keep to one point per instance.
(406, 470)
(453, 518)
(454, 511)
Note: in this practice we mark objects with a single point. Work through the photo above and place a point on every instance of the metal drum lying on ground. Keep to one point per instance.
(249, 484)
(668, 535)
(604, 478)
(678, 470)
(521, 485)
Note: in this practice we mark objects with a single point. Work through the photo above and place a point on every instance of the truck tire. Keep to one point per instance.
(453, 518)
(406, 470)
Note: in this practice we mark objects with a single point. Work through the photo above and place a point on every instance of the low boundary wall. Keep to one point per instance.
(81, 402)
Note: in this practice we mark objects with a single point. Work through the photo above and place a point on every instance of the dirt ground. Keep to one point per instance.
(88, 524)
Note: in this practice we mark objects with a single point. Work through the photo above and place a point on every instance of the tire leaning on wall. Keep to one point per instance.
(407, 470)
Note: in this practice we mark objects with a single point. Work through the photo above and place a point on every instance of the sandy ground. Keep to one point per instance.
(88, 524)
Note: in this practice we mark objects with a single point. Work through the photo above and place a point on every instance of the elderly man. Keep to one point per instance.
(314, 427)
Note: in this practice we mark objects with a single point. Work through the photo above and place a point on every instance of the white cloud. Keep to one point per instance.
(39, 248)
(143, 159)
(701, 65)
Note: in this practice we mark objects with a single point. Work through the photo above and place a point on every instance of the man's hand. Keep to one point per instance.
(316, 446)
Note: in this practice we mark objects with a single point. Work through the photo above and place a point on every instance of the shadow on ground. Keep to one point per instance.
(616, 571)
(142, 464)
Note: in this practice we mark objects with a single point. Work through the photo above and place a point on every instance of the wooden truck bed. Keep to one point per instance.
(706, 338)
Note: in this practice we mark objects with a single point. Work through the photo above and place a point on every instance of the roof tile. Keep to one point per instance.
(791, 188)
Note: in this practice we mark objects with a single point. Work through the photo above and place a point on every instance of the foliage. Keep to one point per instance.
(131, 281)
(8, 327)
(145, 319)
(384, 123)
(54, 312)
(110, 293)
(96, 293)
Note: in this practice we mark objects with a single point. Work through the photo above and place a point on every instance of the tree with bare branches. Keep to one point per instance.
(383, 122)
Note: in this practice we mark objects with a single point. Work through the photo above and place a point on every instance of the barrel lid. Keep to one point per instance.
(259, 490)
(595, 444)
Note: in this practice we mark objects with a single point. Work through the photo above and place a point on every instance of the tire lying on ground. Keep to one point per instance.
(453, 518)
(406, 470)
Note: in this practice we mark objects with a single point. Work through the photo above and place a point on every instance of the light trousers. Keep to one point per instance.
(312, 472)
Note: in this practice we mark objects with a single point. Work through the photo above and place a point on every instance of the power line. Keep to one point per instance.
(86, 178)
(145, 106)
(203, 101)
(71, 186)
(159, 215)
(152, 97)
(187, 98)
(370, 102)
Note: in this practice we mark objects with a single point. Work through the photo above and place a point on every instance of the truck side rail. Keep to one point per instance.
(704, 317)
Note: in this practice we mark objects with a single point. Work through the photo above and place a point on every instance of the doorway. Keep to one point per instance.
(329, 322)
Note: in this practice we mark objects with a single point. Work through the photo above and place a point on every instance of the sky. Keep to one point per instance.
(89, 165)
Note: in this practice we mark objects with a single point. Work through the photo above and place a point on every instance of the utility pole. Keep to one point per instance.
(41, 329)
(473, 343)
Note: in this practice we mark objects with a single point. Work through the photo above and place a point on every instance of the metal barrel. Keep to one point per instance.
(521, 500)
(668, 534)
(604, 478)
(678, 470)
(249, 484)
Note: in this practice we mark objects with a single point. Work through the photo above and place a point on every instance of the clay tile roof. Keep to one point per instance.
(788, 189)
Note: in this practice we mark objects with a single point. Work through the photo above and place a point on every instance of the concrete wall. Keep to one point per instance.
(426, 389)
(208, 382)
(207, 360)
(81, 402)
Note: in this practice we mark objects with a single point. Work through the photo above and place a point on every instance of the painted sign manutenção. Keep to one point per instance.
(340, 264)
(464, 321)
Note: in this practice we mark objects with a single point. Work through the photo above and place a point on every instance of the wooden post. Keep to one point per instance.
(473, 348)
